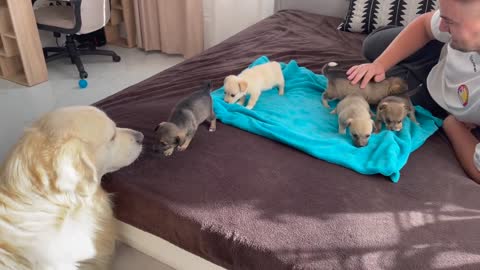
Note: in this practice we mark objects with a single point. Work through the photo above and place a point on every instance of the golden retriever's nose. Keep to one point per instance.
(138, 137)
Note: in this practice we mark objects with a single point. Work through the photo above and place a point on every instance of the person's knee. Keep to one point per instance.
(378, 40)
(370, 48)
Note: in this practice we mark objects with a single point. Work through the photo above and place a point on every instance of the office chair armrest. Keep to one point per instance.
(76, 4)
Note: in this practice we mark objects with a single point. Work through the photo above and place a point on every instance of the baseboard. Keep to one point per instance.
(162, 250)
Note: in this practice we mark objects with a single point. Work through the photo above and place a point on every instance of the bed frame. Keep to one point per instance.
(162, 250)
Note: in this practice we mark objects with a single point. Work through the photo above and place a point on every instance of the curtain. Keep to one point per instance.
(170, 26)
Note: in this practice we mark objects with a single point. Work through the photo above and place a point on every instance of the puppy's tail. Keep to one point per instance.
(207, 86)
(327, 66)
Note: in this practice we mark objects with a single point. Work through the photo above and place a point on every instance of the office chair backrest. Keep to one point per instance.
(95, 15)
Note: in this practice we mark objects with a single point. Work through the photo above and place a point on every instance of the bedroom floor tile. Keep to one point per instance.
(20, 105)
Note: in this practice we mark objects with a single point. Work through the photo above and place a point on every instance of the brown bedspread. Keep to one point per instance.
(246, 202)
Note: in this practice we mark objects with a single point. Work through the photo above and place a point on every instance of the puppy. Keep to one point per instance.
(339, 87)
(184, 120)
(392, 110)
(253, 81)
(354, 112)
(55, 214)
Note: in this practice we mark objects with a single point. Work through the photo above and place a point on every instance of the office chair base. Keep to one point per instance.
(72, 51)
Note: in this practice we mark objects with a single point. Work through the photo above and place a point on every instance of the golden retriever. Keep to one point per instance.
(54, 215)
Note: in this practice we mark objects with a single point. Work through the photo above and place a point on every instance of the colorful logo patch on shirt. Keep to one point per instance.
(463, 94)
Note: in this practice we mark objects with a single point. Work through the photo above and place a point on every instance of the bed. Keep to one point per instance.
(241, 201)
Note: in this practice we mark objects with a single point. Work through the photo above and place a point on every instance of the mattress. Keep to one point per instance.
(246, 202)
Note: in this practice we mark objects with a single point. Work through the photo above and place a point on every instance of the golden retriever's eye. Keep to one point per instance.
(367, 136)
(355, 136)
(232, 95)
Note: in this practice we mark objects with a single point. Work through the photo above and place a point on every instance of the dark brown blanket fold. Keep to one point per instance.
(246, 202)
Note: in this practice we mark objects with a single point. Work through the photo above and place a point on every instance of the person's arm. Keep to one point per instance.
(464, 144)
(415, 35)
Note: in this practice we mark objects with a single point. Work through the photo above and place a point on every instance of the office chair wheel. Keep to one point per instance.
(116, 58)
(83, 75)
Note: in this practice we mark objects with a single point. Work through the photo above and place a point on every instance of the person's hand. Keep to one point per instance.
(367, 72)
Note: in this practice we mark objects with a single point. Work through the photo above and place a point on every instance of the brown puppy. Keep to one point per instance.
(339, 87)
(354, 112)
(184, 120)
(392, 110)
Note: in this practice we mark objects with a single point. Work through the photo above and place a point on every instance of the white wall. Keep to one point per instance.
(224, 18)
(335, 8)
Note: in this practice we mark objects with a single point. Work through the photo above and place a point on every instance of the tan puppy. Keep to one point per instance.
(253, 81)
(339, 87)
(392, 110)
(54, 214)
(354, 112)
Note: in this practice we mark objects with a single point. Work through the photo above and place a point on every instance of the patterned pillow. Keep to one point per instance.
(364, 16)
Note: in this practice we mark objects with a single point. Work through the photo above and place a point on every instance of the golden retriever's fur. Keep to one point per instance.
(54, 215)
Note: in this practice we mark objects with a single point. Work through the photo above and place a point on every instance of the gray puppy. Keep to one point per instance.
(184, 120)
(392, 110)
(339, 87)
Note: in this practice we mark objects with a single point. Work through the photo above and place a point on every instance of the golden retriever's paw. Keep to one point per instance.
(249, 107)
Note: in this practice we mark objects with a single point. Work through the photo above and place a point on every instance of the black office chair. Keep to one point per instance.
(80, 17)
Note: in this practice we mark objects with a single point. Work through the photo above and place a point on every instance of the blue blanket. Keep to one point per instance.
(298, 119)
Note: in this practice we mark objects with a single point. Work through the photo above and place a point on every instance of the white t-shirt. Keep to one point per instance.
(454, 83)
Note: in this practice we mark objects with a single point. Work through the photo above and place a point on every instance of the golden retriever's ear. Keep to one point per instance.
(243, 85)
(74, 169)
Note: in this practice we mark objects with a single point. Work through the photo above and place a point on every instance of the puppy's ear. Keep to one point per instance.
(180, 139)
(158, 126)
(398, 86)
(243, 85)
(408, 108)
(75, 170)
(382, 106)
(228, 78)
(349, 121)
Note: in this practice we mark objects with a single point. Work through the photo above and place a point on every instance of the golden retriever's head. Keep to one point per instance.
(69, 150)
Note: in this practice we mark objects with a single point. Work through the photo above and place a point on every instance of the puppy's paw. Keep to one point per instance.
(182, 148)
(168, 152)
(212, 129)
